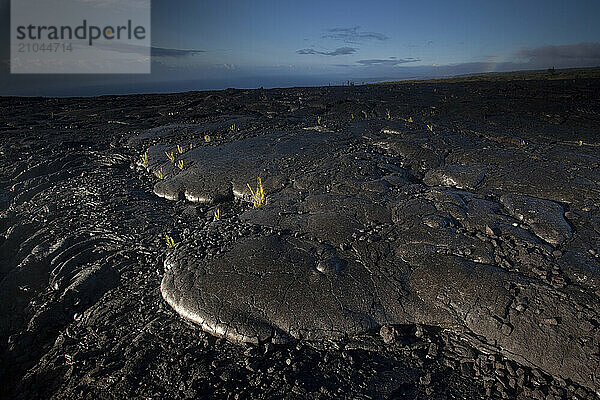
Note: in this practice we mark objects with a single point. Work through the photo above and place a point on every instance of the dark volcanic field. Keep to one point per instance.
(391, 259)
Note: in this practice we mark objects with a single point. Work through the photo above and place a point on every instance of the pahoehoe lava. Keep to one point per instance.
(389, 259)
(445, 257)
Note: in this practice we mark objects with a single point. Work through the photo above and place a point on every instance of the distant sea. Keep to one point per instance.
(86, 86)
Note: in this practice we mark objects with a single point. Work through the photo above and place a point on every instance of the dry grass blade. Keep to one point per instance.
(258, 195)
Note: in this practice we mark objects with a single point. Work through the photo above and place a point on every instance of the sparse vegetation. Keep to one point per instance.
(258, 195)
(318, 120)
(180, 149)
(217, 214)
(430, 127)
(159, 174)
(170, 241)
(206, 139)
(145, 159)
(389, 116)
(170, 156)
(180, 164)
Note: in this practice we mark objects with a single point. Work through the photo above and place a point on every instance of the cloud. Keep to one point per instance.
(168, 52)
(389, 62)
(337, 52)
(180, 58)
(570, 54)
(143, 50)
(352, 35)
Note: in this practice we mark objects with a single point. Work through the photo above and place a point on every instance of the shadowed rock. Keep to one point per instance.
(545, 217)
(472, 248)
(280, 287)
(273, 156)
(459, 176)
(363, 243)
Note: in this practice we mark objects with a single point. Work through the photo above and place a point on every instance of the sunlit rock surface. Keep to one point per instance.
(380, 228)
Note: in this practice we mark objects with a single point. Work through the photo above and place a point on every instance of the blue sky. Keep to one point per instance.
(268, 33)
(283, 43)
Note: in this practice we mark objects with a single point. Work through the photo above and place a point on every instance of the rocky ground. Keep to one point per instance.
(425, 240)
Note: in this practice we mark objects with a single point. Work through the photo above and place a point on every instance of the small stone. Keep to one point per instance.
(449, 363)
(388, 334)
(557, 253)
(433, 350)
(560, 381)
(251, 365)
(510, 368)
(226, 376)
(418, 331)
(268, 348)
(550, 321)
(425, 379)
(251, 352)
(435, 221)
(348, 357)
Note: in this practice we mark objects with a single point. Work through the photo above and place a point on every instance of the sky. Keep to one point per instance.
(277, 43)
